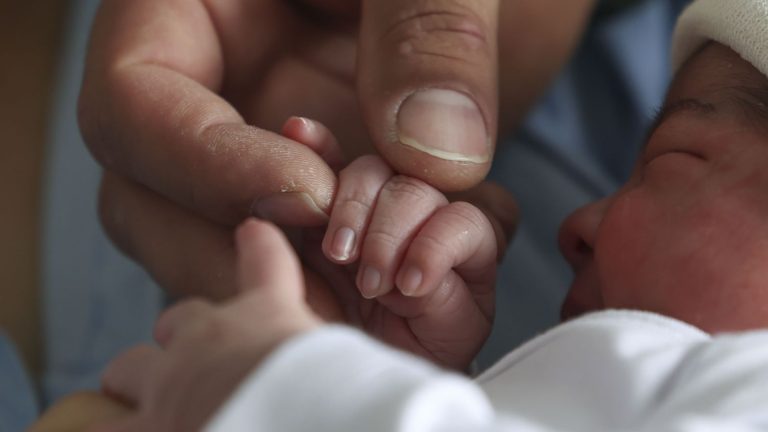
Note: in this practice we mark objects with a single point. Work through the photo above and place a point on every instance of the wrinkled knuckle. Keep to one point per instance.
(405, 188)
(358, 192)
(470, 216)
(446, 30)
(364, 177)
(356, 201)
(380, 240)
(430, 245)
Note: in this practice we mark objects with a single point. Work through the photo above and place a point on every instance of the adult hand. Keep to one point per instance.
(205, 349)
(194, 255)
(173, 90)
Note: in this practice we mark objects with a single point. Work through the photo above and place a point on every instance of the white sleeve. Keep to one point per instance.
(336, 379)
(635, 371)
(615, 371)
(721, 386)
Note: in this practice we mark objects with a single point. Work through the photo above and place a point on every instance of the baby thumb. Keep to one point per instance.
(266, 262)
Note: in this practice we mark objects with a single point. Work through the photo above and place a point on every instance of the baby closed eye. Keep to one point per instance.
(674, 154)
(673, 166)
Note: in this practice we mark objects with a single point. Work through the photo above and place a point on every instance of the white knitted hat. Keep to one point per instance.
(741, 25)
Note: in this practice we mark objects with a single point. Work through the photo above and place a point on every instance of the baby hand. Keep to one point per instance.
(426, 266)
(407, 265)
(206, 349)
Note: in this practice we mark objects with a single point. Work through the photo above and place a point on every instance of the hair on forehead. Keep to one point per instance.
(736, 80)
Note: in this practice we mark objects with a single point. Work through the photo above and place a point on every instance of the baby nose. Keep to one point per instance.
(578, 232)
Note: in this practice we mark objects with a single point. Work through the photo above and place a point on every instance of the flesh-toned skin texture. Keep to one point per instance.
(686, 236)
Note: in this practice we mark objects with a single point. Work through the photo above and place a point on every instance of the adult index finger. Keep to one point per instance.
(427, 80)
(149, 110)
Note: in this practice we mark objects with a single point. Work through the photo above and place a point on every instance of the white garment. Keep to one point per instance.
(741, 25)
(609, 371)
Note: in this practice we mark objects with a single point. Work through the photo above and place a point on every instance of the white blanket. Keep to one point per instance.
(610, 371)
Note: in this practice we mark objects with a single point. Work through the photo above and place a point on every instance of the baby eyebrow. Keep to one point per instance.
(752, 101)
(687, 104)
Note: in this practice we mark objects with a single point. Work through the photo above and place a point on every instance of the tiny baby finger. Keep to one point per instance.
(359, 187)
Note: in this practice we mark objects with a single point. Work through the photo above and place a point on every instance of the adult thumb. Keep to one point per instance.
(427, 82)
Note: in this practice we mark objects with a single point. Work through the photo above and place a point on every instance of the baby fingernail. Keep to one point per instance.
(411, 280)
(370, 283)
(445, 124)
(343, 242)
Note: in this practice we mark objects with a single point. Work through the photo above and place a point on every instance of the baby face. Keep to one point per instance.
(687, 235)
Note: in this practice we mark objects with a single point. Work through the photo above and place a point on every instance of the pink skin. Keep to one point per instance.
(180, 383)
(406, 264)
(177, 385)
(317, 137)
(687, 235)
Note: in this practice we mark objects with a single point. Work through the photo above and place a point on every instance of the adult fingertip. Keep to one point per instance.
(441, 138)
(444, 124)
(317, 137)
(444, 175)
(290, 209)
(428, 86)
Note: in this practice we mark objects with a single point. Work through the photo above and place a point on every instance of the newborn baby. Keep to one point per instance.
(687, 235)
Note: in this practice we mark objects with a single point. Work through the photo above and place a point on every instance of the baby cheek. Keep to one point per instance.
(630, 252)
(690, 262)
(722, 286)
